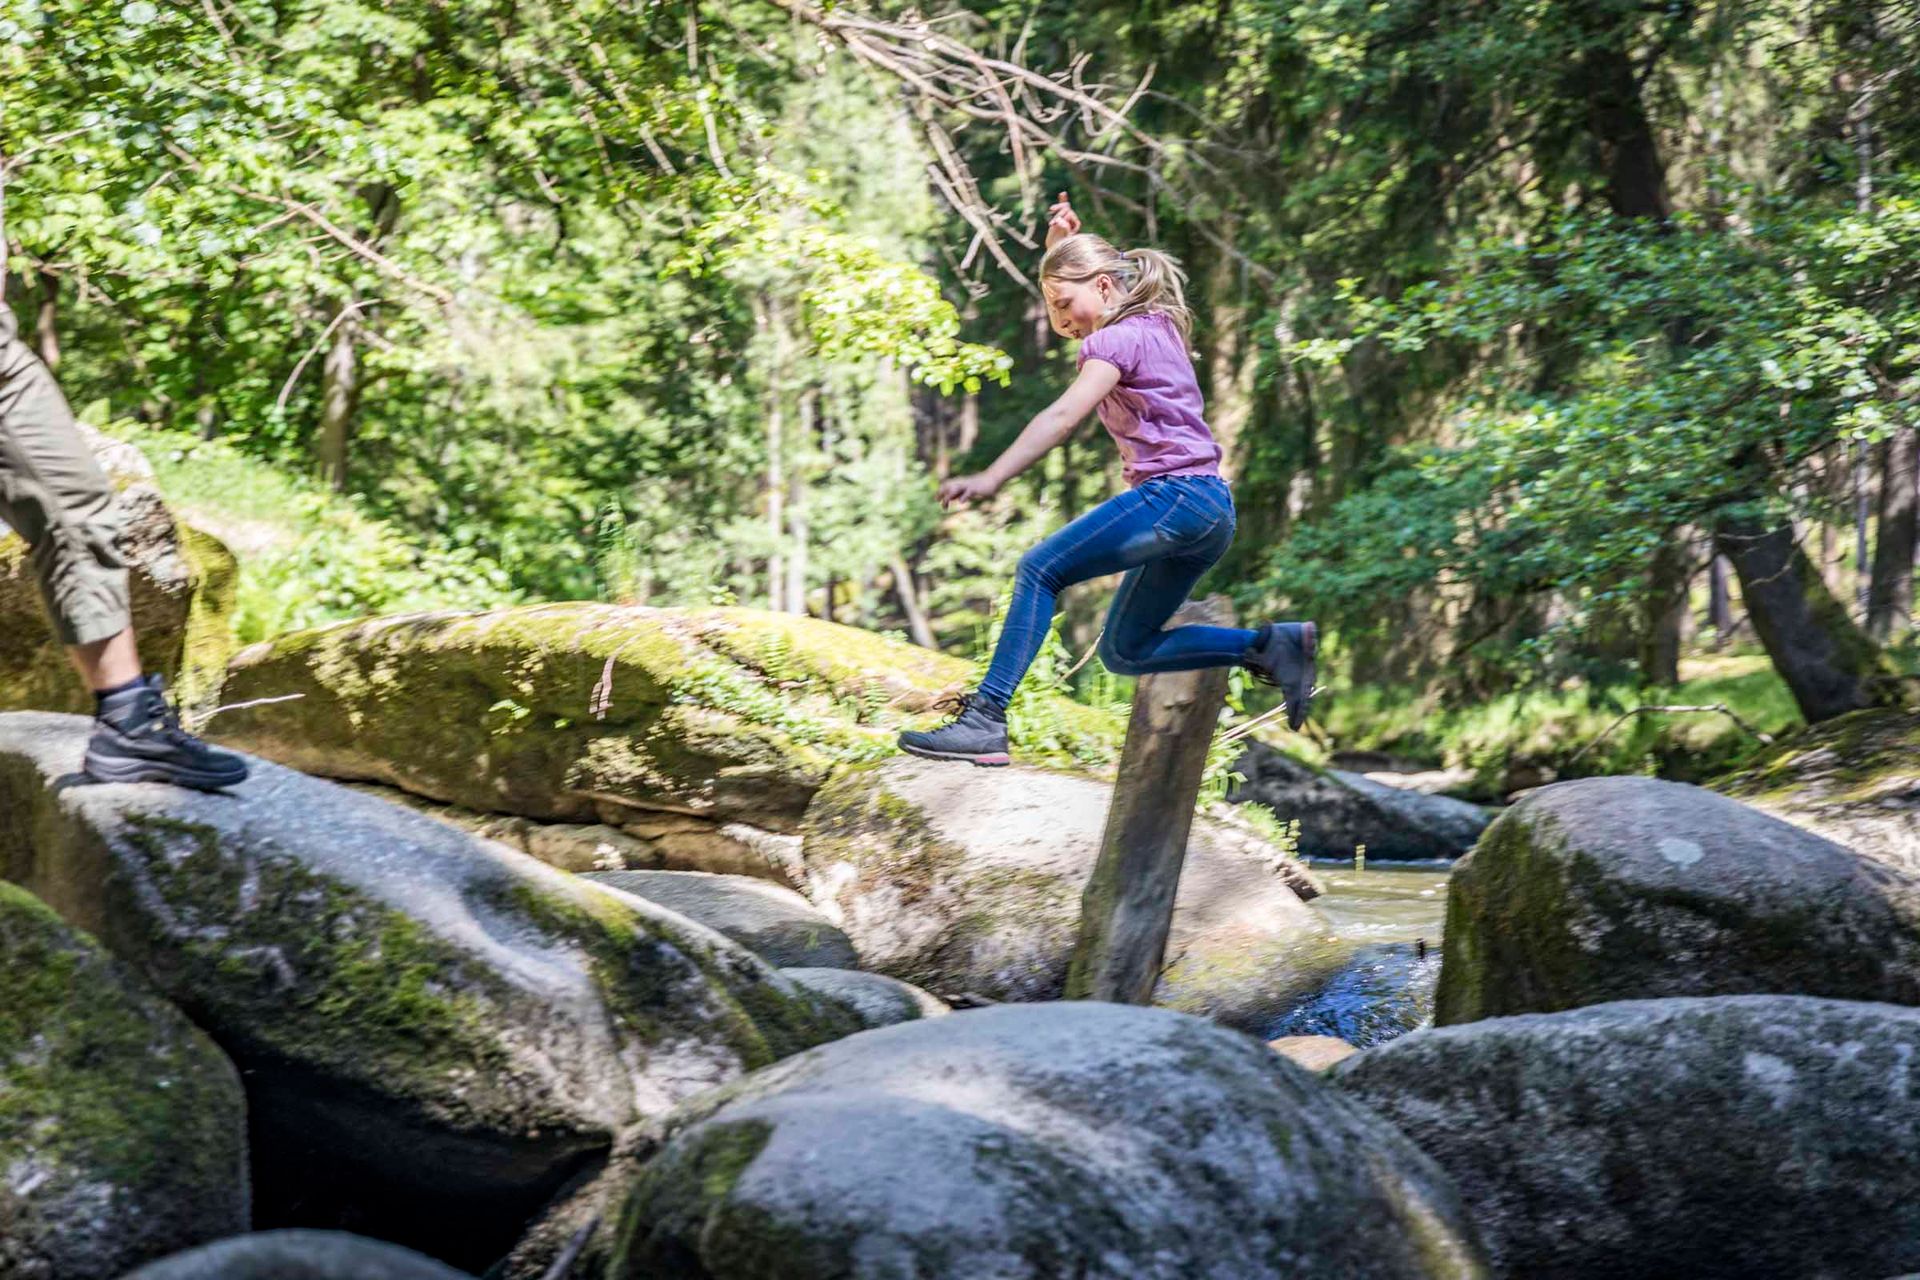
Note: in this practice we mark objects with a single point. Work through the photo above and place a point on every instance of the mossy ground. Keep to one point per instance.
(1851, 759)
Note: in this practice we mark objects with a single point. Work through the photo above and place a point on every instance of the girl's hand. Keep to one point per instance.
(1062, 221)
(966, 490)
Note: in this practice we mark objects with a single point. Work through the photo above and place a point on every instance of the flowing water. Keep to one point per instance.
(1390, 915)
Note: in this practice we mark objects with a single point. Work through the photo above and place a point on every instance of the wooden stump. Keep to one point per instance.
(1127, 909)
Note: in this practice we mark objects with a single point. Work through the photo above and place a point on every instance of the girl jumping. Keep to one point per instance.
(1176, 519)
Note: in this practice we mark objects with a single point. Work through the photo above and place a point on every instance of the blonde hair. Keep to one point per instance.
(1153, 280)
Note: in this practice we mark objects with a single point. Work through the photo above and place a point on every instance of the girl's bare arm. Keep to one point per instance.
(1049, 427)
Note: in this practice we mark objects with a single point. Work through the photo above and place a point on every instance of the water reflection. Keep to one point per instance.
(1391, 915)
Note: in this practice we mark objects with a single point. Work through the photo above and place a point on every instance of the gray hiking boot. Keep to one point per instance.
(1282, 654)
(138, 738)
(977, 734)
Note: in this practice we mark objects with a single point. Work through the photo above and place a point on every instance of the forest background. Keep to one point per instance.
(1565, 352)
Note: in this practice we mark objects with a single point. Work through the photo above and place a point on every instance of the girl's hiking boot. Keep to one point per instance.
(138, 738)
(1282, 654)
(977, 733)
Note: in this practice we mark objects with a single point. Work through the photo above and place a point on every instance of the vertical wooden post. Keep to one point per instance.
(1127, 909)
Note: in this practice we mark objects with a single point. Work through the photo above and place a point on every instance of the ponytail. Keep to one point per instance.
(1153, 281)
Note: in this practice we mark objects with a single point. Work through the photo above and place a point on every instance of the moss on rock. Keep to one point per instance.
(1854, 779)
(1626, 888)
(558, 711)
(122, 1127)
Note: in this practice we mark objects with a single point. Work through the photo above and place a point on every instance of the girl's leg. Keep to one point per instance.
(1133, 642)
(1114, 536)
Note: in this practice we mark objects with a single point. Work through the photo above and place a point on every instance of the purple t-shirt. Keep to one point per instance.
(1155, 414)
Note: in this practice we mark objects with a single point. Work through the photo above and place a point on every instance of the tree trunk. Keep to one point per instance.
(799, 533)
(767, 314)
(339, 397)
(1890, 593)
(1126, 911)
(1719, 597)
(46, 323)
(1830, 664)
(1664, 609)
(909, 593)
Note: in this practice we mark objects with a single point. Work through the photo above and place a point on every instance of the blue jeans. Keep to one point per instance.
(1164, 535)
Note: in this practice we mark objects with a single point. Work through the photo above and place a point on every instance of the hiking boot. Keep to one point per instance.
(138, 738)
(1282, 654)
(977, 733)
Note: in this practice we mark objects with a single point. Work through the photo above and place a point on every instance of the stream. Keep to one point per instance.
(1390, 914)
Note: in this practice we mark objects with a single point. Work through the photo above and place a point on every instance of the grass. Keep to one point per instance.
(1550, 728)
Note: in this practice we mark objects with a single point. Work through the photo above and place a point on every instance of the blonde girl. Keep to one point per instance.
(1176, 519)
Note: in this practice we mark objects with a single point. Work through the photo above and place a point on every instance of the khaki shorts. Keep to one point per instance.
(55, 496)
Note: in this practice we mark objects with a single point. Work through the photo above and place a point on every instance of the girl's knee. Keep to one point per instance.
(1123, 659)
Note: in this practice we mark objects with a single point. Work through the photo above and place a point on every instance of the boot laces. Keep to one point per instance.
(957, 704)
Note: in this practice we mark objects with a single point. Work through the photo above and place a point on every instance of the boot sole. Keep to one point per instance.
(991, 760)
(105, 769)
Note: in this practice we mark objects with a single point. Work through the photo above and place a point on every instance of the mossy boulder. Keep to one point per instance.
(588, 712)
(1854, 779)
(122, 1127)
(1086, 1139)
(878, 1000)
(182, 584)
(1718, 1139)
(298, 1255)
(1628, 888)
(965, 880)
(432, 1027)
(774, 923)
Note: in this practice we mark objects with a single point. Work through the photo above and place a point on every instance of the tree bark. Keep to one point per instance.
(1829, 664)
(339, 398)
(1664, 610)
(767, 315)
(1719, 597)
(909, 593)
(1890, 591)
(46, 322)
(1126, 912)
(799, 532)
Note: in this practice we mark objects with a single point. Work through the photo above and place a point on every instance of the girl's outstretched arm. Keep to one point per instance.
(1049, 427)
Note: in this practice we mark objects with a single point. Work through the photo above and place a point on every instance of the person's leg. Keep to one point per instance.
(55, 495)
(1113, 537)
(1280, 653)
(1133, 643)
(113, 663)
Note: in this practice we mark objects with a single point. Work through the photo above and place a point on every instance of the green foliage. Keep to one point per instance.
(1548, 728)
(308, 556)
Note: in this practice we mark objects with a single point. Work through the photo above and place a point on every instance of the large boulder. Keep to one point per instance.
(1338, 810)
(590, 713)
(1854, 779)
(1090, 1140)
(431, 1027)
(182, 585)
(298, 1255)
(1626, 888)
(122, 1128)
(1727, 1137)
(774, 923)
(969, 880)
